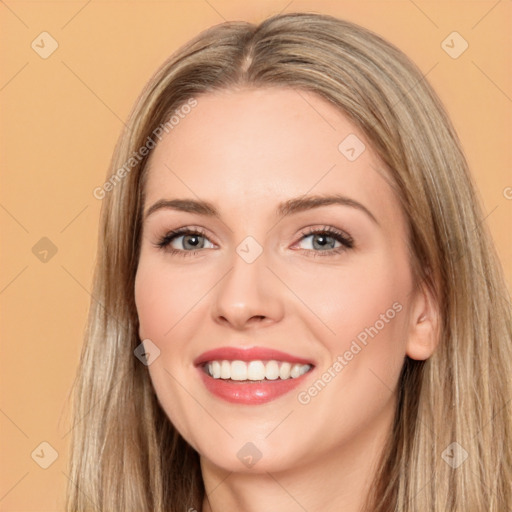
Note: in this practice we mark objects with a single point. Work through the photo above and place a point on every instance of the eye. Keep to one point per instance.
(325, 239)
(191, 240)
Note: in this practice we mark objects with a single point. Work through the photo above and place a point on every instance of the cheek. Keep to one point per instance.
(353, 297)
(163, 297)
(152, 300)
(162, 300)
(364, 307)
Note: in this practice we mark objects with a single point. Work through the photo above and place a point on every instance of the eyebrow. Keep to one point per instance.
(288, 207)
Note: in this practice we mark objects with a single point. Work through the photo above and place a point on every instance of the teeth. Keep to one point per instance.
(255, 370)
(216, 368)
(295, 371)
(238, 370)
(284, 371)
(272, 370)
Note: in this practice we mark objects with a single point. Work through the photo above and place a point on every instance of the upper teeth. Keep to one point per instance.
(255, 370)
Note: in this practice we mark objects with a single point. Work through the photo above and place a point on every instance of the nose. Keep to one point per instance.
(249, 295)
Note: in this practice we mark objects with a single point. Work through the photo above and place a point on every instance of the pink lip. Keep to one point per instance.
(247, 354)
(245, 392)
(250, 393)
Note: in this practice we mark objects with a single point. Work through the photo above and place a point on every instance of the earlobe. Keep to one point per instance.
(424, 326)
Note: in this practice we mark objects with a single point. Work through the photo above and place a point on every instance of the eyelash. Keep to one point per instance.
(346, 241)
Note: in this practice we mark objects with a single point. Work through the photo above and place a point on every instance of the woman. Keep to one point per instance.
(253, 374)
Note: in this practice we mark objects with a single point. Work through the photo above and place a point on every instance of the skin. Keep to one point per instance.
(245, 151)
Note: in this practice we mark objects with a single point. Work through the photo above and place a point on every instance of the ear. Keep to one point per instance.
(424, 325)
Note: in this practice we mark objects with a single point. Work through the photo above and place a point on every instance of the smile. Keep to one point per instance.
(251, 376)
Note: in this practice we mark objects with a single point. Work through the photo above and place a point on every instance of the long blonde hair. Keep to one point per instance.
(125, 453)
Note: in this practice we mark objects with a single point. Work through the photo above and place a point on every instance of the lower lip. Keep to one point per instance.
(250, 393)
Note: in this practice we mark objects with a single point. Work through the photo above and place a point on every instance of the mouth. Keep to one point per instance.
(251, 376)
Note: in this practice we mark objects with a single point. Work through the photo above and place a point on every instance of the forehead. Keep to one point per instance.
(255, 147)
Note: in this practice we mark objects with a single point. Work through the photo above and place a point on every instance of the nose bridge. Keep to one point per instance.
(247, 290)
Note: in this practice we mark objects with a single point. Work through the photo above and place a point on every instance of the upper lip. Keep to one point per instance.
(248, 354)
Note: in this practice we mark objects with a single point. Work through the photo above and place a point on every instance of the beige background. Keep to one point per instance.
(61, 118)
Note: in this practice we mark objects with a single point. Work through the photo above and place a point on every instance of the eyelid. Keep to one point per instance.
(331, 230)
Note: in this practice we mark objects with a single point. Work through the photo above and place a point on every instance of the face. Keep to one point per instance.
(326, 284)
